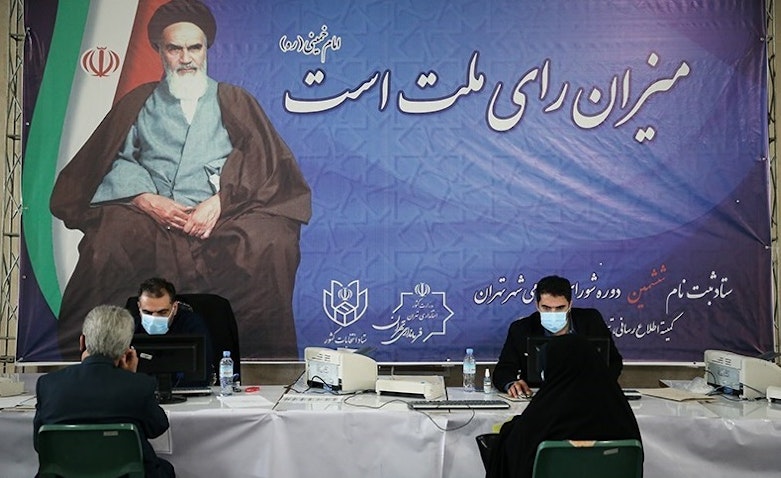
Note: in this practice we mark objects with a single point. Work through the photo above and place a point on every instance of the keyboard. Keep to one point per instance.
(458, 404)
(191, 390)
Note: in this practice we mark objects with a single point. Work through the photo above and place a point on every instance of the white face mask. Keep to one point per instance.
(553, 322)
(154, 325)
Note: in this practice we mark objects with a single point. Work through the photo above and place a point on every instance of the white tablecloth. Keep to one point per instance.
(325, 437)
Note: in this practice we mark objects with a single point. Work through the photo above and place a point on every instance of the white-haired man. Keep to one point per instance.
(104, 387)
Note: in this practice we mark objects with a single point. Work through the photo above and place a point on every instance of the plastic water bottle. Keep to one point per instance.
(226, 374)
(487, 386)
(469, 370)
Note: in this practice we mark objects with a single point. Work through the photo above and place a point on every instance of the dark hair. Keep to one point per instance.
(157, 287)
(555, 286)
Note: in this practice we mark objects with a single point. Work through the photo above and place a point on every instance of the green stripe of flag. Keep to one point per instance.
(40, 160)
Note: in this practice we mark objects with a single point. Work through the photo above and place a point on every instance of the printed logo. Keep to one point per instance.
(100, 61)
(344, 305)
(420, 315)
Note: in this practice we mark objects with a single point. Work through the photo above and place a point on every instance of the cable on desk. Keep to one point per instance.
(471, 417)
(723, 390)
(346, 401)
(289, 388)
(762, 397)
(326, 387)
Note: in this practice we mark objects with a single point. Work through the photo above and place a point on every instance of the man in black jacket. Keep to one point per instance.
(554, 316)
(104, 387)
(160, 313)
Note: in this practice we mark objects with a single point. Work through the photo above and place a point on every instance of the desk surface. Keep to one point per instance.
(269, 434)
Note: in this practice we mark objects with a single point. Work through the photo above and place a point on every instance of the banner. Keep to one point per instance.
(457, 152)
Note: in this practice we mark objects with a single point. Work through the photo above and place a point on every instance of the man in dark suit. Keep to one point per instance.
(104, 387)
(554, 316)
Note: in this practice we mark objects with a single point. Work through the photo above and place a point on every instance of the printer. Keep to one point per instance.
(747, 377)
(340, 370)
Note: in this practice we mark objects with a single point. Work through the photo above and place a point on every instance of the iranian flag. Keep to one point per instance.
(99, 50)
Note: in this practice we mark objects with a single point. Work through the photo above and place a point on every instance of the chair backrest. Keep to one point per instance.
(218, 315)
(90, 450)
(586, 459)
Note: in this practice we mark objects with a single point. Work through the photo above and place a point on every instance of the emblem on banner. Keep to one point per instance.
(100, 61)
(344, 305)
(420, 315)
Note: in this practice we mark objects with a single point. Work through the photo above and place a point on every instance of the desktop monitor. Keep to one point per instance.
(535, 356)
(165, 356)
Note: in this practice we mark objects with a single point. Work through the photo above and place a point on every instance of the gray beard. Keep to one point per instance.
(187, 87)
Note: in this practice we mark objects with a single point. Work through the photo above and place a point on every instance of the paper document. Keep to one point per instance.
(307, 398)
(676, 394)
(245, 401)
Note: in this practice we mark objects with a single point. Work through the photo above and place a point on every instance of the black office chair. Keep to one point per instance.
(218, 315)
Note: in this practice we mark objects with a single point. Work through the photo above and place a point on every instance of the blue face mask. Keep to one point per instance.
(553, 321)
(154, 325)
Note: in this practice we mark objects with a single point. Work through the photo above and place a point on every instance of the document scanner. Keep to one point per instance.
(428, 387)
(340, 370)
(747, 377)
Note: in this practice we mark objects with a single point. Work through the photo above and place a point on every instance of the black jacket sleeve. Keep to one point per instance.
(512, 360)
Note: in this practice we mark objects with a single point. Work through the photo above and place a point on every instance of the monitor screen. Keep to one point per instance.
(164, 356)
(535, 356)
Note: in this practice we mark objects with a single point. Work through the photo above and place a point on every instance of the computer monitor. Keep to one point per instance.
(535, 355)
(164, 356)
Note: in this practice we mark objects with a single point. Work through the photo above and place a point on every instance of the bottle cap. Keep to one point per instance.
(469, 351)
(226, 353)
(487, 373)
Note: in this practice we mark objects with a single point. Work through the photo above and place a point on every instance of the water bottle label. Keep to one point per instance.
(226, 376)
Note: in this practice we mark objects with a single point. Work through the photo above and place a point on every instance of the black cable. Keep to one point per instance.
(289, 388)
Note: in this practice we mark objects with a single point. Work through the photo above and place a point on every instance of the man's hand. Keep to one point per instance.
(129, 361)
(164, 211)
(519, 388)
(203, 218)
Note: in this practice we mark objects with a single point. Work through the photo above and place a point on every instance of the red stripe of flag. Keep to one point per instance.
(142, 62)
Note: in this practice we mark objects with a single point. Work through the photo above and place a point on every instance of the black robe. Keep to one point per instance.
(579, 400)
(251, 257)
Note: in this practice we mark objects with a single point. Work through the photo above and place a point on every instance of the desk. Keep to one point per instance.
(328, 438)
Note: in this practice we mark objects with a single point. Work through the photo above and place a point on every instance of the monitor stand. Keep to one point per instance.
(164, 393)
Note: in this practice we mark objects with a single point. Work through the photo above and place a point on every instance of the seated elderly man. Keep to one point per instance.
(187, 178)
(104, 387)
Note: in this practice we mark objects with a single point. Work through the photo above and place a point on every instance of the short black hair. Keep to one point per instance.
(555, 286)
(157, 287)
